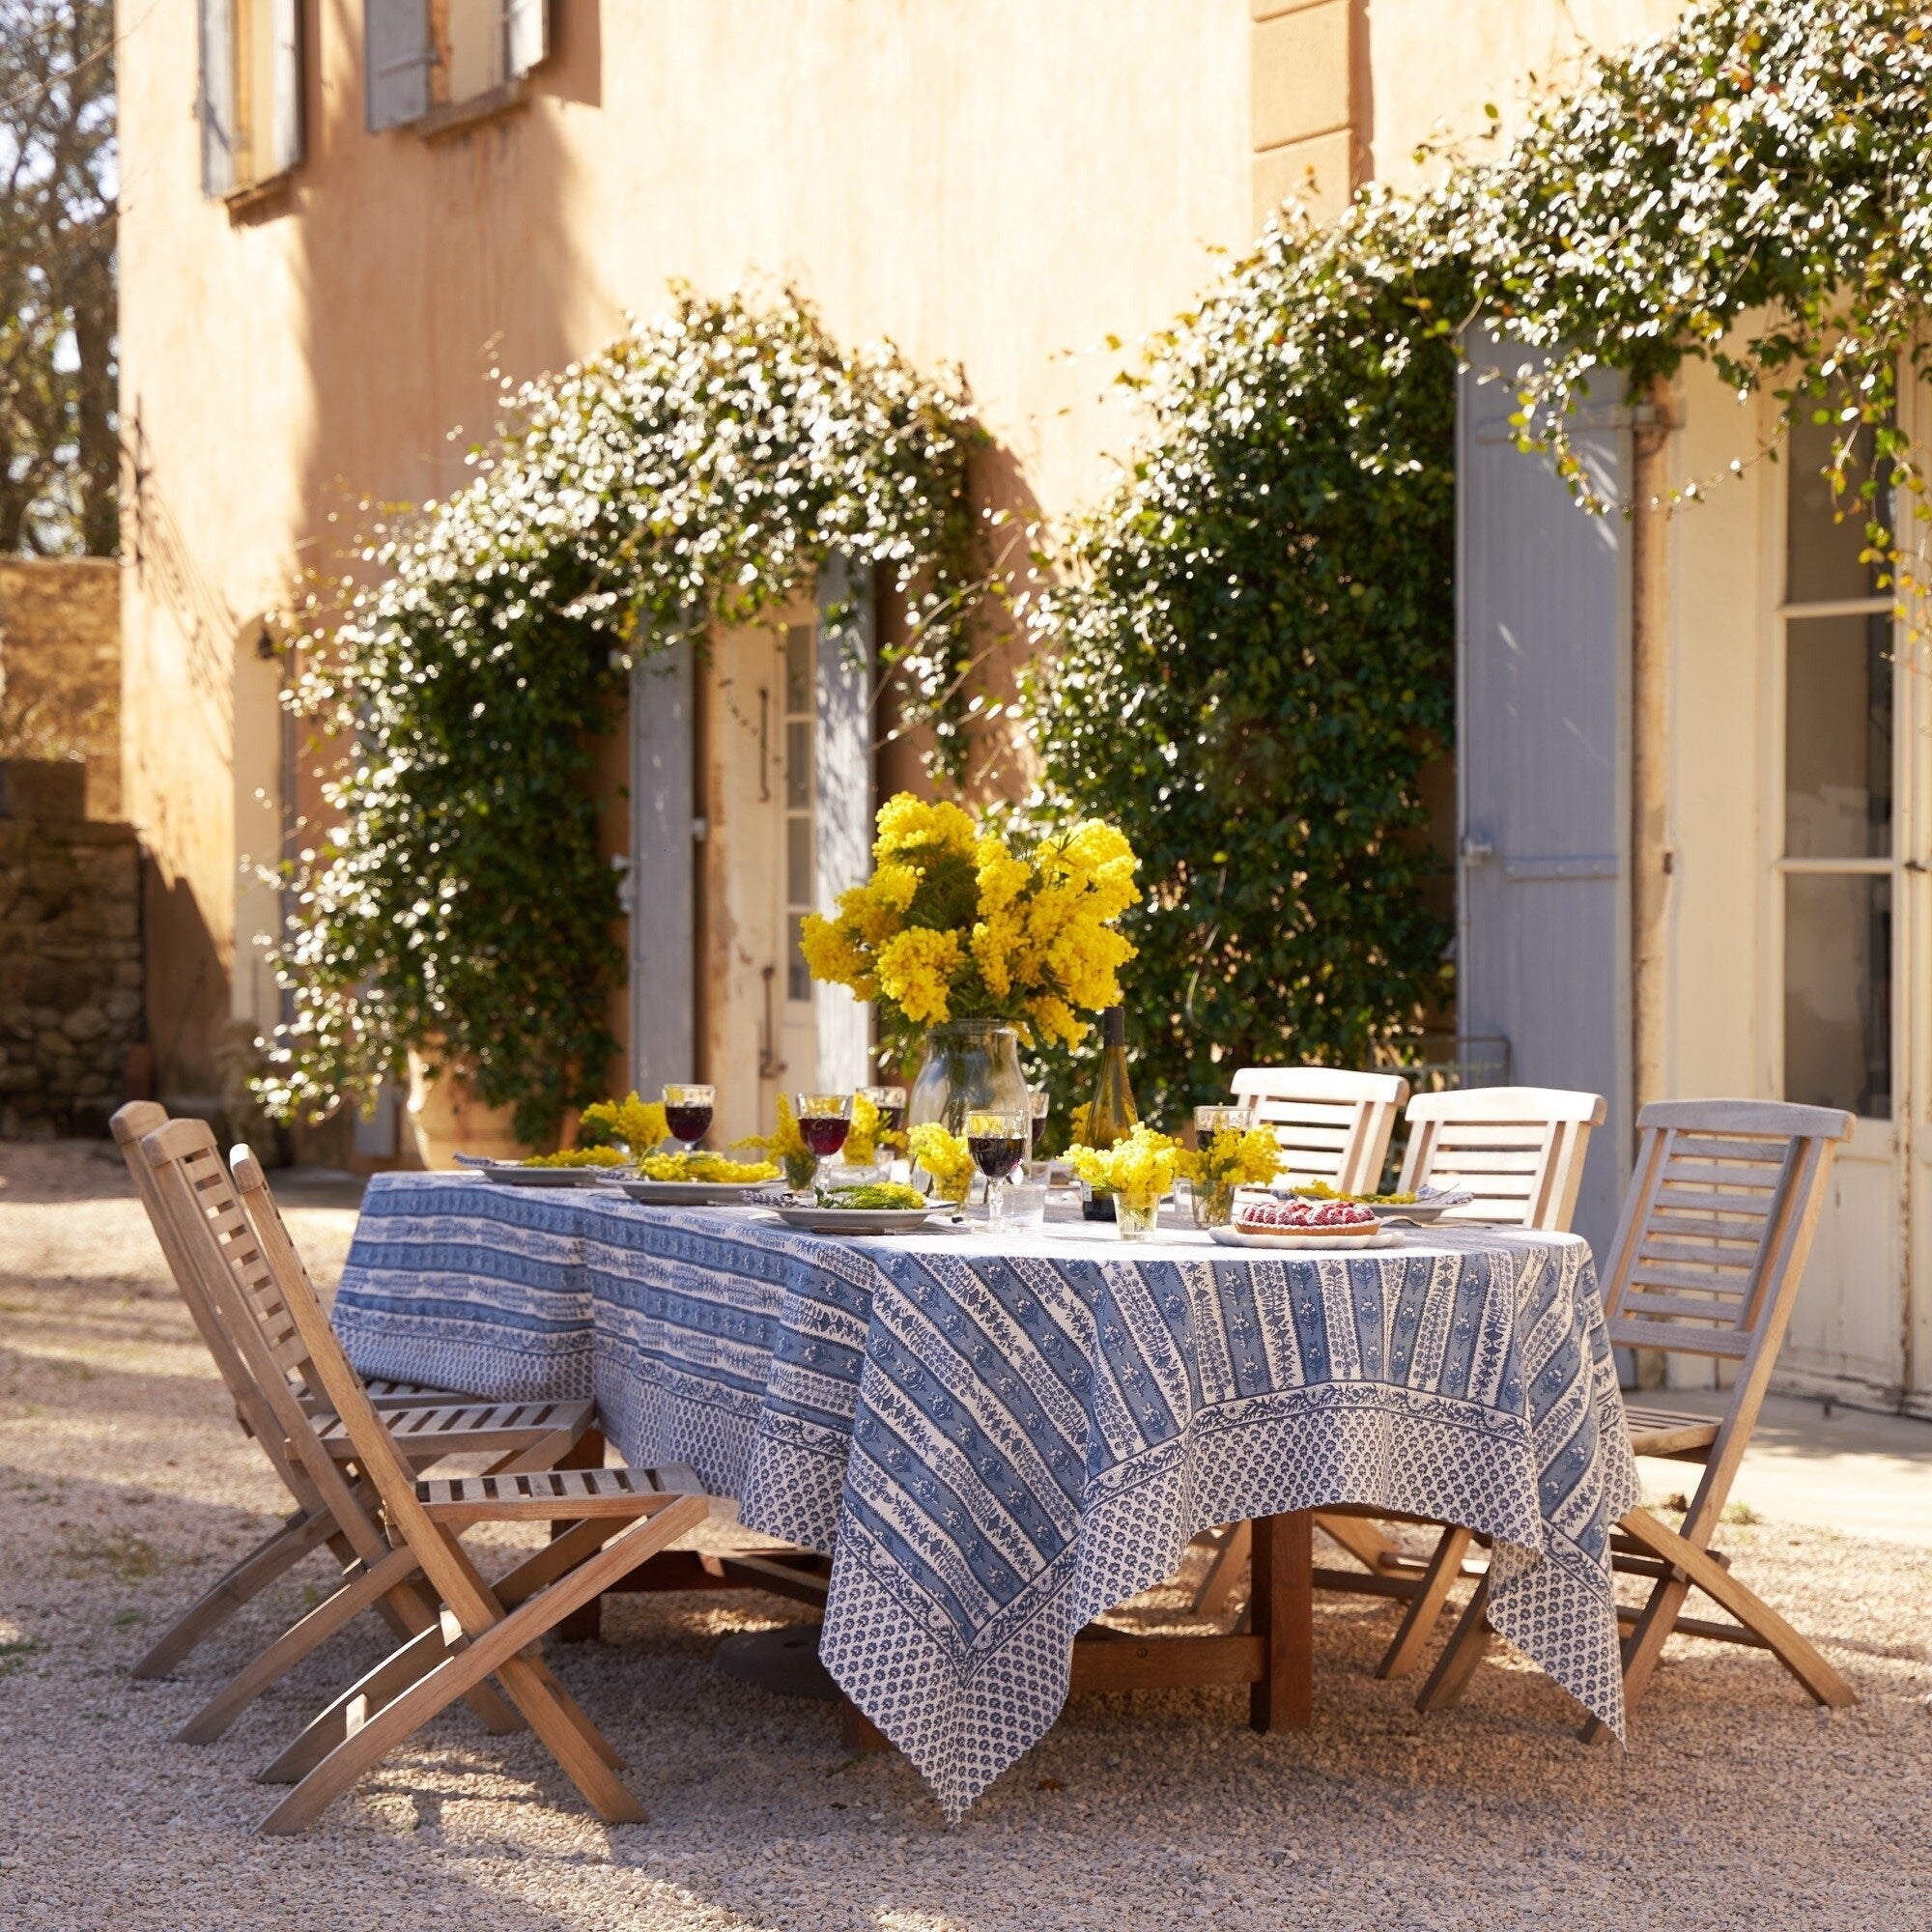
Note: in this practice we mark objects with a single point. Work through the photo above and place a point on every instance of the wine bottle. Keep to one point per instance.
(1112, 1113)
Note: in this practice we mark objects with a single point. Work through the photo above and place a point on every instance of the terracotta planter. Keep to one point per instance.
(447, 1118)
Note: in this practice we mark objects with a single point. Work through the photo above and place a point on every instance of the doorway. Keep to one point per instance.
(1848, 952)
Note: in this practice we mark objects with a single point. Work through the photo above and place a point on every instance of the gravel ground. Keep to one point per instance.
(124, 1486)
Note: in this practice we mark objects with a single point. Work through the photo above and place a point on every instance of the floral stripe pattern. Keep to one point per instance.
(997, 1444)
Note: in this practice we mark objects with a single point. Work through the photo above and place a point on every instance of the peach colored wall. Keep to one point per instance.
(996, 183)
(999, 184)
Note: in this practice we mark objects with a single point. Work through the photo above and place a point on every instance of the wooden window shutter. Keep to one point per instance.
(286, 123)
(217, 96)
(525, 36)
(396, 58)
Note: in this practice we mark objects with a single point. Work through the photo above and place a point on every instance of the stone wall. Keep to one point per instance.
(60, 667)
(70, 973)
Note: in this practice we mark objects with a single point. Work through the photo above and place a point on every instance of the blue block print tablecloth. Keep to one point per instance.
(999, 1438)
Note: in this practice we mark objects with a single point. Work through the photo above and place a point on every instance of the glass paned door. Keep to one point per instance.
(1841, 844)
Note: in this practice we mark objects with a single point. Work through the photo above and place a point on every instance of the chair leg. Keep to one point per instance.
(1224, 1572)
(1425, 1607)
(1696, 1566)
(356, 1594)
(1460, 1654)
(1361, 1539)
(271, 1557)
(498, 1650)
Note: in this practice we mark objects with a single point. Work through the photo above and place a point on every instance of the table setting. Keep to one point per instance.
(997, 1435)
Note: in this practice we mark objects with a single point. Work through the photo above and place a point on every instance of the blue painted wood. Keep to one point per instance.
(663, 872)
(1543, 709)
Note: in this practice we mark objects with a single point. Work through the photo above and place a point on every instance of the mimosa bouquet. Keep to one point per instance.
(785, 1145)
(863, 1139)
(957, 923)
(1234, 1157)
(1137, 1171)
(945, 1156)
(635, 1126)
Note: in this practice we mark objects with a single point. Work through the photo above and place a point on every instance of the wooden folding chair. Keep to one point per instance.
(1333, 1126)
(1706, 1261)
(1520, 1152)
(618, 1520)
(218, 1256)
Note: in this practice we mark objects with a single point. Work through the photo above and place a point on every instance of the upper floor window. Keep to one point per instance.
(421, 56)
(251, 92)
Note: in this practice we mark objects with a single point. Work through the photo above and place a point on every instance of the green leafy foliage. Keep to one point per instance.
(700, 469)
(1256, 633)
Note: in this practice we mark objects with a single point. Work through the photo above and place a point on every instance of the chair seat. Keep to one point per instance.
(387, 1395)
(494, 1428)
(544, 1494)
(1667, 1432)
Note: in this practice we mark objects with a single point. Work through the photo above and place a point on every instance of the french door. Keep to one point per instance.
(1848, 823)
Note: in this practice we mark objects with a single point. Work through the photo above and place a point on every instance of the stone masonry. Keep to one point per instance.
(70, 1003)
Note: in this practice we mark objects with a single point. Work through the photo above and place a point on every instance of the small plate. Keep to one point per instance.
(694, 1193)
(857, 1220)
(1335, 1244)
(549, 1177)
(1418, 1211)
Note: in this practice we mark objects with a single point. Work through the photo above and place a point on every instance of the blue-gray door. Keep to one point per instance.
(1543, 681)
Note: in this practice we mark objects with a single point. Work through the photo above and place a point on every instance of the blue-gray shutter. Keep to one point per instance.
(843, 807)
(217, 96)
(286, 108)
(525, 36)
(663, 872)
(1543, 706)
(396, 59)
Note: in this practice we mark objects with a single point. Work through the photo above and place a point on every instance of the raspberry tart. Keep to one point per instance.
(1331, 1220)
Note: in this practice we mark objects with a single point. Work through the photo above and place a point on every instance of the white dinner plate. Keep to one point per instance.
(858, 1220)
(694, 1193)
(1335, 1244)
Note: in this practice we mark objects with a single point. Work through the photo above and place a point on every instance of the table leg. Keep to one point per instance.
(585, 1625)
(1282, 1602)
(858, 1732)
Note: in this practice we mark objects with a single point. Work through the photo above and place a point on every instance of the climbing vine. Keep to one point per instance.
(701, 468)
(1255, 637)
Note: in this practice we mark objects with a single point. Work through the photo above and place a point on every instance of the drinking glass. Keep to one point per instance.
(824, 1119)
(891, 1102)
(1023, 1205)
(688, 1113)
(1041, 1100)
(1214, 1196)
(996, 1137)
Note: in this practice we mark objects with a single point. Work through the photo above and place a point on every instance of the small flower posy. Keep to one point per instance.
(945, 1156)
(1138, 1169)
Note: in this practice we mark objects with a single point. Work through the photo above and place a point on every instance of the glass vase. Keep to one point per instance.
(1214, 1203)
(1136, 1224)
(967, 1067)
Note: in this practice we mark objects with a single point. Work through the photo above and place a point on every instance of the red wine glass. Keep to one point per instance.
(688, 1111)
(824, 1119)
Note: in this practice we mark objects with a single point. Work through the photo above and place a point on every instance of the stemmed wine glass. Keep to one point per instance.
(891, 1102)
(1041, 1101)
(688, 1113)
(824, 1119)
(997, 1138)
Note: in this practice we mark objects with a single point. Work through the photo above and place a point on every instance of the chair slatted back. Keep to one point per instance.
(1518, 1151)
(1712, 1245)
(1717, 1223)
(131, 1124)
(450, 1573)
(1333, 1125)
(221, 1248)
